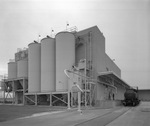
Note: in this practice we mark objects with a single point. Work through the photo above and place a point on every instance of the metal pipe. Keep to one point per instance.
(50, 99)
(94, 80)
(79, 101)
(24, 91)
(36, 100)
(13, 91)
(85, 72)
(90, 63)
(68, 99)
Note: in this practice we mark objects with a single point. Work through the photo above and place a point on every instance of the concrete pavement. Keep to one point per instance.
(105, 119)
(137, 116)
(58, 118)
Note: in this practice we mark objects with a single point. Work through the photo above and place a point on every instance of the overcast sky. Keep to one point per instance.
(124, 23)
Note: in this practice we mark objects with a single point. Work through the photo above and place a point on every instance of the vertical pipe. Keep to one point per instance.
(91, 73)
(50, 99)
(68, 99)
(35, 99)
(85, 73)
(23, 91)
(71, 98)
(4, 92)
(13, 91)
(79, 101)
(91, 55)
(90, 95)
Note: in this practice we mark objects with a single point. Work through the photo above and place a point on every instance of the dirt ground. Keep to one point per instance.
(9, 112)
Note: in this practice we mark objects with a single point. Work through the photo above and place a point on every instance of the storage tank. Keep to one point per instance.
(22, 68)
(12, 70)
(34, 67)
(48, 73)
(65, 58)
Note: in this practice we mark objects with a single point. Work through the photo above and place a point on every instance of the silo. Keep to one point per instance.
(65, 58)
(48, 83)
(34, 67)
(22, 68)
(12, 70)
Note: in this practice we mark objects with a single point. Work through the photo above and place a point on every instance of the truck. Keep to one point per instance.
(131, 97)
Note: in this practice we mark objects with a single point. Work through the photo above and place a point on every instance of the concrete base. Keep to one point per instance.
(108, 103)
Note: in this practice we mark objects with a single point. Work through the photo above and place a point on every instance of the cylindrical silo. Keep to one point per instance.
(22, 68)
(12, 70)
(48, 83)
(34, 67)
(65, 58)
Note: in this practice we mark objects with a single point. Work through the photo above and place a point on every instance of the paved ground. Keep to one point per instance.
(105, 119)
(138, 116)
(10, 112)
(120, 116)
(61, 117)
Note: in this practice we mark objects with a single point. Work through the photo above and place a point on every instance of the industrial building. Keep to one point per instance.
(144, 94)
(54, 70)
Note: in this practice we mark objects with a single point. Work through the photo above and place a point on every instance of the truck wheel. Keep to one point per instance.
(133, 103)
(125, 104)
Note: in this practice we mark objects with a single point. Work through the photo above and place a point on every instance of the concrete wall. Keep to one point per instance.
(101, 62)
(97, 53)
(120, 92)
(111, 66)
(101, 92)
(97, 47)
(144, 95)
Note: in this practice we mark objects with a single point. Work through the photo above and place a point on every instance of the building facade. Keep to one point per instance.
(46, 72)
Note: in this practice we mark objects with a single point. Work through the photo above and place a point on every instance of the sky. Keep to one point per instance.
(124, 23)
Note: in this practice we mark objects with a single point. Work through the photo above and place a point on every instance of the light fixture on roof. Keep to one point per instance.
(52, 32)
(39, 39)
(67, 24)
